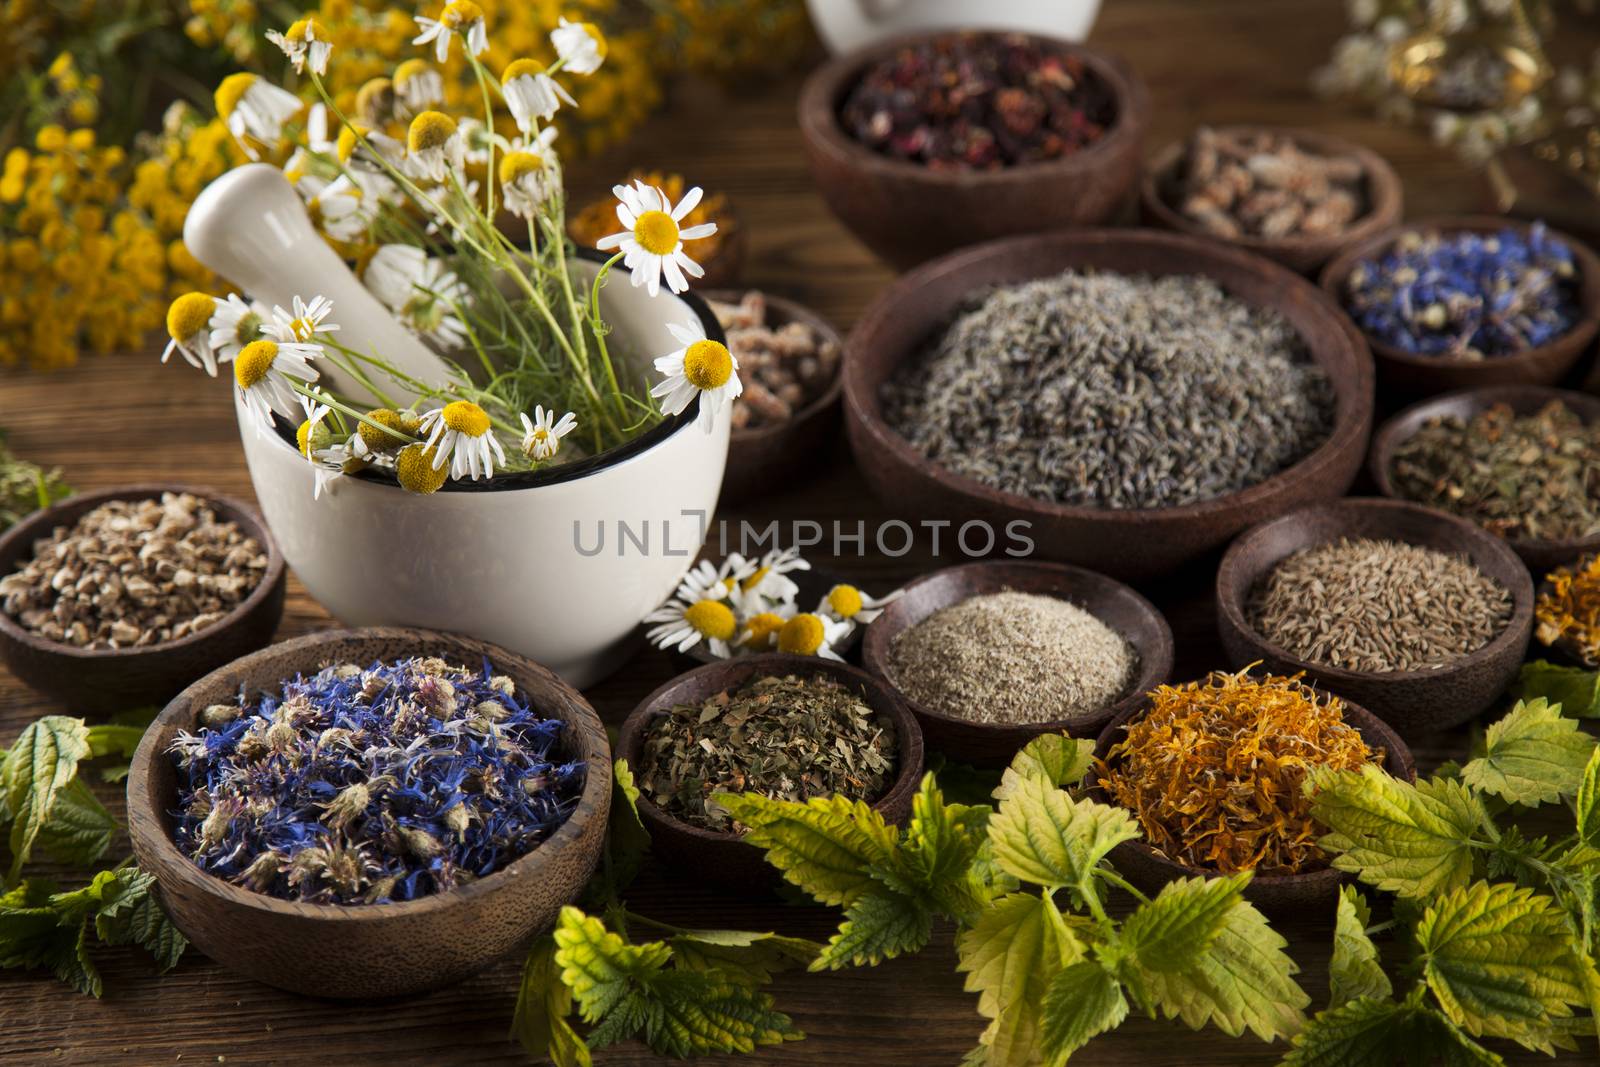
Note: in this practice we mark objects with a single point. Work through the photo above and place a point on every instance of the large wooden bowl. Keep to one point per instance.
(1540, 554)
(1414, 375)
(1131, 544)
(993, 744)
(733, 862)
(103, 681)
(1412, 702)
(371, 950)
(908, 213)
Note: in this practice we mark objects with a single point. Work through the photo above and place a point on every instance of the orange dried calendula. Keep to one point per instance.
(1568, 612)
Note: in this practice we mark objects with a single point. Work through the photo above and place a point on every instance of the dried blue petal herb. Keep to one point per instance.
(364, 786)
(1467, 296)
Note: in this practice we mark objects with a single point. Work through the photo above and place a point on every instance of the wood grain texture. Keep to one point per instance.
(125, 419)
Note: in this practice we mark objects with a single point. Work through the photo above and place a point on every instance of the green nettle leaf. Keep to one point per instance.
(1042, 835)
(932, 862)
(627, 840)
(37, 769)
(1182, 922)
(32, 931)
(825, 846)
(544, 1004)
(80, 828)
(752, 958)
(111, 739)
(1054, 758)
(1534, 755)
(1082, 1002)
(1501, 962)
(1355, 970)
(1575, 689)
(1411, 840)
(1587, 805)
(876, 927)
(1369, 1031)
(130, 915)
(1010, 954)
(598, 965)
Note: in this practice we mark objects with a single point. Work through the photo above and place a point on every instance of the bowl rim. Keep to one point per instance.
(46, 520)
(1155, 660)
(1385, 193)
(789, 310)
(909, 748)
(1337, 271)
(823, 91)
(1351, 421)
(145, 816)
(1405, 423)
(1232, 589)
(1397, 757)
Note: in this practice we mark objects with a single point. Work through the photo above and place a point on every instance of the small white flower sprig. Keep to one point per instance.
(412, 197)
(746, 606)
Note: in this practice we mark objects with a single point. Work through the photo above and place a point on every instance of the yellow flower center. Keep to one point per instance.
(431, 129)
(459, 14)
(301, 30)
(465, 417)
(414, 468)
(517, 164)
(379, 440)
(254, 360)
(349, 138)
(845, 600)
(656, 232)
(711, 618)
(189, 314)
(801, 635)
(409, 69)
(311, 438)
(707, 365)
(375, 100)
(521, 68)
(757, 578)
(231, 90)
(761, 628)
(303, 328)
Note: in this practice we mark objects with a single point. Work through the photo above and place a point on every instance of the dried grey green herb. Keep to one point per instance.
(787, 738)
(26, 487)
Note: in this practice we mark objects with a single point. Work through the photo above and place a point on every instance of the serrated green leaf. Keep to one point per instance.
(825, 846)
(1534, 755)
(1054, 758)
(742, 956)
(1575, 689)
(80, 829)
(876, 927)
(1412, 840)
(1015, 947)
(1182, 922)
(544, 1004)
(33, 932)
(77, 969)
(129, 914)
(932, 862)
(1244, 981)
(598, 965)
(1081, 1003)
(1500, 961)
(1367, 1032)
(1042, 835)
(1587, 805)
(695, 1013)
(627, 841)
(1355, 970)
(37, 768)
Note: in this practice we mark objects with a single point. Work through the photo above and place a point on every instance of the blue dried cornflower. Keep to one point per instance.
(1467, 296)
(362, 786)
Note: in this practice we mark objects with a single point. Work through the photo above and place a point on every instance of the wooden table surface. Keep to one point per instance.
(119, 420)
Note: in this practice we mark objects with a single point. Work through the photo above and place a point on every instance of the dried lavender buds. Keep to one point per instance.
(788, 738)
(1012, 657)
(370, 785)
(978, 101)
(133, 573)
(1467, 296)
(783, 368)
(1099, 389)
(1261, 184)
(1379, 606)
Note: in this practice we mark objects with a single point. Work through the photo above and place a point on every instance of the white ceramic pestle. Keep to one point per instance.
(251, 227)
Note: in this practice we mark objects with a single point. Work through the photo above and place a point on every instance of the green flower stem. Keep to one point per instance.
(323, 396)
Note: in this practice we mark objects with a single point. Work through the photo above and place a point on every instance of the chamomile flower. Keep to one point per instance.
(263, 371)
(532, 95)
(808, 634)
(846, 603)
(760, 631)
(189, 327)
(255, 109)
(462, 433)
(235, 324)
(418, 471)
(301, 43)
(338, 209)
(360, 147)
(581, 46)
(702, 368)
(420, 290)
(711, 581)
(524, 183)
(682, 624)
(418, 86)
(303, 322)
(433, 146)
(770, 579)
(459, 16)
(316, 443)
(542, 434)
(652, 241)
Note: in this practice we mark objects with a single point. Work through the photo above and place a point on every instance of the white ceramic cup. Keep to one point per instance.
(844, 25)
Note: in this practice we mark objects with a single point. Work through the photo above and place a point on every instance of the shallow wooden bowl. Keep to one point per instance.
(373, 950)
(907, 213)
(993, 744)
(772, 458)
(104, 681)
(1412, 702)
(1414, 375)
(1303, 254)
(1132, 544)
(1280, 895)
(735, 864)
(1540, 554)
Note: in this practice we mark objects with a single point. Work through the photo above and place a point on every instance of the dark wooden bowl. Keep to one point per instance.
(696, 850)
(1409, 374)
(373, 950)
(1280, 895)
(993, 744)
(1131, 544)
(774, 457)
(814, 585)
(104, 681)
(1412, 702)
(907, 213)
(1302, 254)
(1540, 554)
